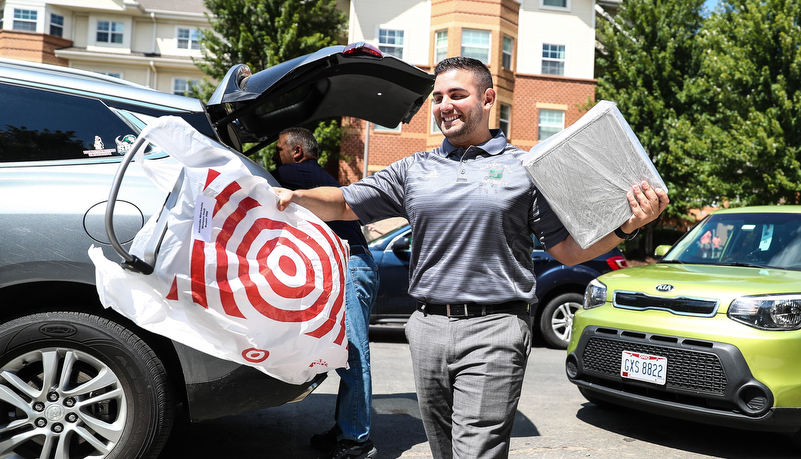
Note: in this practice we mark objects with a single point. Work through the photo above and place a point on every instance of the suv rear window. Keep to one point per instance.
(40, 125)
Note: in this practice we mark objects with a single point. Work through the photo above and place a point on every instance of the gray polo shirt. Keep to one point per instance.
(472, 214)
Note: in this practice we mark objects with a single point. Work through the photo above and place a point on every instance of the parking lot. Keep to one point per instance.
(553, 421)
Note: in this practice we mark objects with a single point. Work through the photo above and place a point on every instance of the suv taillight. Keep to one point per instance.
(362, 49)
(616, 262)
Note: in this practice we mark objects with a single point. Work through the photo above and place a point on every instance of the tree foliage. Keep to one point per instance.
(748, 102)
(714, 97)
(646, 56)
(263, 33)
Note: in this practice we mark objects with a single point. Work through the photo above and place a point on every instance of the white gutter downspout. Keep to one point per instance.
(153, 18)
(155, 75)
(153, 50)
(365, 172)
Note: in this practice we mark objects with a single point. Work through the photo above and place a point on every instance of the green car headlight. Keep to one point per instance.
(767, 312)
(595, 295)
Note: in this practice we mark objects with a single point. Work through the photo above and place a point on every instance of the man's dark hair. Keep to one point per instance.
(480, 72)
(304, 138)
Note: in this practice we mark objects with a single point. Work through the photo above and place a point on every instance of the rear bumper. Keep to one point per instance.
(217, 387)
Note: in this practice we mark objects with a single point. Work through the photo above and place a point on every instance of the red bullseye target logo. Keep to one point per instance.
(267, 267)
(254, 355)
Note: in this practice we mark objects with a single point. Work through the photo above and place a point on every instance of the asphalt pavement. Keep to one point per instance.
(553, 421)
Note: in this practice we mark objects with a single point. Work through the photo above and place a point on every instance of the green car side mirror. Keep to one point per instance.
(661, 250)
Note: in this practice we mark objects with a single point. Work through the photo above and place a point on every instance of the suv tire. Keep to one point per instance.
(78, 385)
(556, 320)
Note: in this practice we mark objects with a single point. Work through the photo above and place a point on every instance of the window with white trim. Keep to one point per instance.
(561, 4)
(553, 59)
(508, 47)
(188, 39)
(390, 42)
(2, 18)
(112, 74)
(476, 44)
(434, 126)
(181, 86)
(56, 25)
(551, 122)
(506, 116)
(440, 45)
(25, 20)
(110, 32)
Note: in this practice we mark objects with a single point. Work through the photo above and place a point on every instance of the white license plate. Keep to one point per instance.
(643, 367)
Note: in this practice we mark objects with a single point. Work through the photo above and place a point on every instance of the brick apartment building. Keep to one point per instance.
(150, 42)
(540, 53)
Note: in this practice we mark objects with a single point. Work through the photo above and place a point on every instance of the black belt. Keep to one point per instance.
(359, 249)
(472, 309)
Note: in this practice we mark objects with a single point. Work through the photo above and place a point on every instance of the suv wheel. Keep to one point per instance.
(80, 386)
(556, 320)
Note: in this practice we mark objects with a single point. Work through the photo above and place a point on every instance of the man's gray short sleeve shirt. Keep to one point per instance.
(472, 214)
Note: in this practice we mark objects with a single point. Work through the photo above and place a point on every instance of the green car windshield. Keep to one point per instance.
(742, 239)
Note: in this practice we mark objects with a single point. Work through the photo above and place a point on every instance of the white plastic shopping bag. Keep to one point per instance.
(233, 276)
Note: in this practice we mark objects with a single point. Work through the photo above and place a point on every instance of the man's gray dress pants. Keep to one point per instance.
(469, 374)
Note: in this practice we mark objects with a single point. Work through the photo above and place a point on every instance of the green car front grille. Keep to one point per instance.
(687, 370)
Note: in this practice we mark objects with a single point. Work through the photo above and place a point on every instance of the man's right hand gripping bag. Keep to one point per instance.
(585, 171)
(232, 275)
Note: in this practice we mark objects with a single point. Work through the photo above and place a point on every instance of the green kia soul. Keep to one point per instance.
(711, 333)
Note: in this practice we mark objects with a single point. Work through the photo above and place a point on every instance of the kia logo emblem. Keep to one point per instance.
(664, 287)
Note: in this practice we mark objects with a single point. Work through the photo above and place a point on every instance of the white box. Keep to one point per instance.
(585, 171)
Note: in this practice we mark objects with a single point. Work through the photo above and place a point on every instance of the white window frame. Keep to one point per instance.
(543, 6)
(554, 127)
(508, 54)
(112, 74)
(111, 32)
(185, 82)
(440, 45)
(192, 41)
(505, 118)
(25, 18)
(478, 46)
(54, 25)
(389, 47)
(543, 59)
(434, 126)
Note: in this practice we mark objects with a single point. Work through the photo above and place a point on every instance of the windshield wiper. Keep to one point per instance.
(671, 261)
(746, 265)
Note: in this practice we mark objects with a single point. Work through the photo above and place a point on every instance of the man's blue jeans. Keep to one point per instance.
(355, 396)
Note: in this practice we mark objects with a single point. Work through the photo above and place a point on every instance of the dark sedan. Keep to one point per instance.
(560, 288)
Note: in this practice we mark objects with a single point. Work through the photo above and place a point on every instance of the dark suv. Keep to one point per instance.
(81, 381)
(560, 288)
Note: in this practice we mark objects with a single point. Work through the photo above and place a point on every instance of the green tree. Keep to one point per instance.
(647, 55)
(263, 33)
(748, 102)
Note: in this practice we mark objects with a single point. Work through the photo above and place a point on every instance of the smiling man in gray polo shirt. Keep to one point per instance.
(472, 208)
